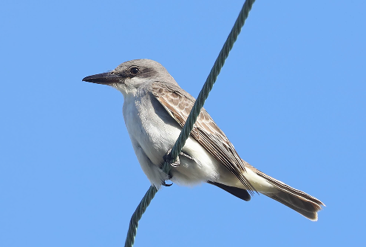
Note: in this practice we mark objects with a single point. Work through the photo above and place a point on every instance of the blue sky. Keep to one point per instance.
(291, 98)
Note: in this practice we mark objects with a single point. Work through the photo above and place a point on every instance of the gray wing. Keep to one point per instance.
(178, 103)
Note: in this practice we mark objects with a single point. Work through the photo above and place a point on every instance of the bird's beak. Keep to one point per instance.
(103, 78)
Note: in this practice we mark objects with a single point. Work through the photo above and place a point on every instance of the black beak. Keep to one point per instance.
(103, 78)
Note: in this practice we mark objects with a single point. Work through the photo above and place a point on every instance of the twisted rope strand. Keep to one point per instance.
(215, 71)
(140, 210)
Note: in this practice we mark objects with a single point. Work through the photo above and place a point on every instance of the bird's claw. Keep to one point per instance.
(168, 158)
(166, 185)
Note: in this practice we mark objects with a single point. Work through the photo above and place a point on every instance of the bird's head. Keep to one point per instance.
(130, 75)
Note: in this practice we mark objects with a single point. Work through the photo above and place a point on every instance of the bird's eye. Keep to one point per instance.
(134, 70)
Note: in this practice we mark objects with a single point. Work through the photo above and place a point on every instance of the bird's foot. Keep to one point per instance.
(167, 158)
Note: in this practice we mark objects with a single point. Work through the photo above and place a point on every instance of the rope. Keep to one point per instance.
(140, 210)
(219, 63)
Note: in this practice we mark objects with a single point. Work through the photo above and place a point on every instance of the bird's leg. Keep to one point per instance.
(167, 158)
(175, 163)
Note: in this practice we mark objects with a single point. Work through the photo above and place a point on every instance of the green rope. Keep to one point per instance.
(219, 63)
(140, 210)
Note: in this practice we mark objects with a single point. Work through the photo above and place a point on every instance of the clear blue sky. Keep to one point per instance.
(291, 98)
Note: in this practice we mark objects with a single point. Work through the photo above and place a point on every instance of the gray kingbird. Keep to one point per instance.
(155, 110)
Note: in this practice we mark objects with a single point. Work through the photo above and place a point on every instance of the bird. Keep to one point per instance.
(155, 109)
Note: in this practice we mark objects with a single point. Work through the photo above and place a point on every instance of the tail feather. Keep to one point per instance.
(306, 208)
(298, 200)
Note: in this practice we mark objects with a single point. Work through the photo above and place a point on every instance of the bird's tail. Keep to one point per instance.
(298, 200)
